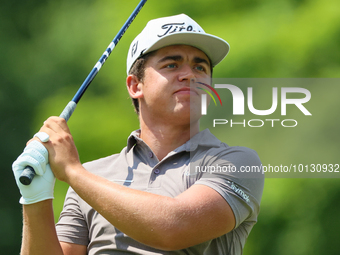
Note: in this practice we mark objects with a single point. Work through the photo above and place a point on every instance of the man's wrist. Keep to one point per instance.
(38, 208)
(73, 172)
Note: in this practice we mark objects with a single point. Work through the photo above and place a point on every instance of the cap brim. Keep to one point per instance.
(214, 47)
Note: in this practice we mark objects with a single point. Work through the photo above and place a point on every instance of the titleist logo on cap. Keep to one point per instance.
(167, 29)
(176, 27)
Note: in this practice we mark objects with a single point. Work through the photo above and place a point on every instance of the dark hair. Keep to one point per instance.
(138, 69)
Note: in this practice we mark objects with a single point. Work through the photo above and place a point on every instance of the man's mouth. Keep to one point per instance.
(186, 91)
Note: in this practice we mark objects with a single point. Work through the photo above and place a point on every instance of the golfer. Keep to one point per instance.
(152, 197)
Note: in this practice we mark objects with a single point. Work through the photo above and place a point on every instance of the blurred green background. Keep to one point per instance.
(47, 48)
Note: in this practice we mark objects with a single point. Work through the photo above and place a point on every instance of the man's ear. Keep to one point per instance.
(134, 86)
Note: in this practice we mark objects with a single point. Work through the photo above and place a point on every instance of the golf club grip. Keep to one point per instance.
(27, 175)
(68, 110)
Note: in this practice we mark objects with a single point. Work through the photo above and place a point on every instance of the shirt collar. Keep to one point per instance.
(203, 138)
(133, 138)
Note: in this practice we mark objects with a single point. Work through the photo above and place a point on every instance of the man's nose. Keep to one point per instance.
(186, 73)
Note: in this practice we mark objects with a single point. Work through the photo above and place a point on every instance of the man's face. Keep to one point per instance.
(169, 88)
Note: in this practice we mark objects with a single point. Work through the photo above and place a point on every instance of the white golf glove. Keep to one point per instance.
(42, 186)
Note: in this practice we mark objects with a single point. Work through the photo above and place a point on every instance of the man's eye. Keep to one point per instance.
(200, 68)
(171, 66)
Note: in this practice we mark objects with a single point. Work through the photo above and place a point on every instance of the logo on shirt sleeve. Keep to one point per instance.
(240, 192)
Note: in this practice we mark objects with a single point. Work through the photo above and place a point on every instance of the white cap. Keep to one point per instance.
(175, 30)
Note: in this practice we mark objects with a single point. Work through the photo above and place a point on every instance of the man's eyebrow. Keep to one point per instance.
(198, 60)
(174, 58)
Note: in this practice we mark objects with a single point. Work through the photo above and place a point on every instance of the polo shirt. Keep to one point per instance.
(203, 160)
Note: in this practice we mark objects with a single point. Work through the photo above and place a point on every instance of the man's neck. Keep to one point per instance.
(163, 139)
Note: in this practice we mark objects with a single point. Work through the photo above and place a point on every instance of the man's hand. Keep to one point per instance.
(63, 154)
(58, 153)
(42, 186)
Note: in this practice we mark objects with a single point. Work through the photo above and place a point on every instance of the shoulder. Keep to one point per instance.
(240, 155)
(233, 163)
(212, 149)
(207, 143)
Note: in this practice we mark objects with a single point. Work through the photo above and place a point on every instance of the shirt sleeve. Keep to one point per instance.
(72, 227)
(235, 173)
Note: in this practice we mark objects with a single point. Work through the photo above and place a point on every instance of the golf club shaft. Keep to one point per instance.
(28, 174)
